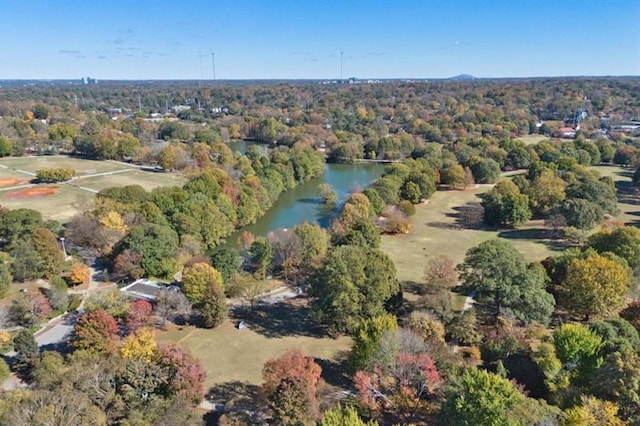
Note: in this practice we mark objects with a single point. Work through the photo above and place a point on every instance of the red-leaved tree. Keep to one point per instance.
(184, 372)
(291, 388)
(96, 332)
(138, 316)
(403, 387)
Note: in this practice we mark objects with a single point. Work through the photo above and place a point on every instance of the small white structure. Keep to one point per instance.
(242, 325)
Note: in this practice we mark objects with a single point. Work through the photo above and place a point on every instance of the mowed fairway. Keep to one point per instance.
(436, 231)
(628, 196)
(75, 196)
(232, 355)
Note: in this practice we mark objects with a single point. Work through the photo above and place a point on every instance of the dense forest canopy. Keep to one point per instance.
(549, 342)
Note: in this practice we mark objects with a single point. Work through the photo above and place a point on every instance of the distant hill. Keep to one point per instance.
(463, 77)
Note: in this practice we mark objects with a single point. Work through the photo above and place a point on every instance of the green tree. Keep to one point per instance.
(27, 352)
(213, 305)
(453, 175)
(545, 192)
(377, 203)
(344, 416)
(366, 338)
(40, 111)
(327, 194)
(623, 241)
(482, 398)
(314, 243)
(595, 286)
(502, 279)
(580, 213)
(261, 255)
(157, 246)
(6, 147)
(226, 261)
(484, 170)
(505, 205)
(5, 273)
(352, 284)
(196, 280)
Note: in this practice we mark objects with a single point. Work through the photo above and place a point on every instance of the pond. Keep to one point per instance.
(303, 204)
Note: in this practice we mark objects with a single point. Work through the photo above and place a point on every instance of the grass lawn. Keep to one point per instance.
(61, 206)
(437, 231)
(81, 166)
(69, 199)
(232, 356)
(532, 139)
(628, 197)
(147, 180)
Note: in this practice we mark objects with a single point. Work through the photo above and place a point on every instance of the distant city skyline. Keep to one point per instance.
(145, 40)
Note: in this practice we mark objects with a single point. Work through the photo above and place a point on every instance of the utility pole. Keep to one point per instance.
(139, 103)
(341, 53)
(213, 64)
(200, 57)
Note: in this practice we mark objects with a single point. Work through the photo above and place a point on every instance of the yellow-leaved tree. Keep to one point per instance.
(78, 274)
(595, 286)
(139, 346)
(593, 412)
(113, 220)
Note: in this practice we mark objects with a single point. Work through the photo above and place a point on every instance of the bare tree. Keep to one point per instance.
(171, 304)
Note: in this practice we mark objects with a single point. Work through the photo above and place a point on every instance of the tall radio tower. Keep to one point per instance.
(341, 53)
(213, 64)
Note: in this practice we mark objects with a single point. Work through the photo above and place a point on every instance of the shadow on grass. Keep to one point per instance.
(540, 235)
(627, 193)
(235, 391)
(336, 371)
(236, 396)
(413, 287)
(290, 318)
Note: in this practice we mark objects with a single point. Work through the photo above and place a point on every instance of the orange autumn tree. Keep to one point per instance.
(291, 388)
(78, 274)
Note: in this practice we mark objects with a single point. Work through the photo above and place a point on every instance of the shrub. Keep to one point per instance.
(54, 174)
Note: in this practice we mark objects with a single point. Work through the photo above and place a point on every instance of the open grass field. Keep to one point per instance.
(230, 355)
(532, 139)
(61, 206)
(628, 195)
(76, 196)
(147, 180)
(81, 166)
(439, 228)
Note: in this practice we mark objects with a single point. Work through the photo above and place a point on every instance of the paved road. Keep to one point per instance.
(57, 333)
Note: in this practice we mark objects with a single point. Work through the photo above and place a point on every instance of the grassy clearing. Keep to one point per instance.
(532, 139)
(628, 196)
(230, 355)
(148, 180)
(70, 199)
(437, 231)
(61, 206)
(81, 166)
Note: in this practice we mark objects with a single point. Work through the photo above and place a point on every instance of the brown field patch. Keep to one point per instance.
(11, 182)
(32, 193)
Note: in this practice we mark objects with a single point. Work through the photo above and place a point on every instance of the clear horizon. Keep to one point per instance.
(303, 40)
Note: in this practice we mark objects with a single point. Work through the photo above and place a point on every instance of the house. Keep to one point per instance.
(145, 289)
(566, 132)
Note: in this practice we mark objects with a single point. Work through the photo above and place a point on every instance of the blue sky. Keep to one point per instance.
(162, 39)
